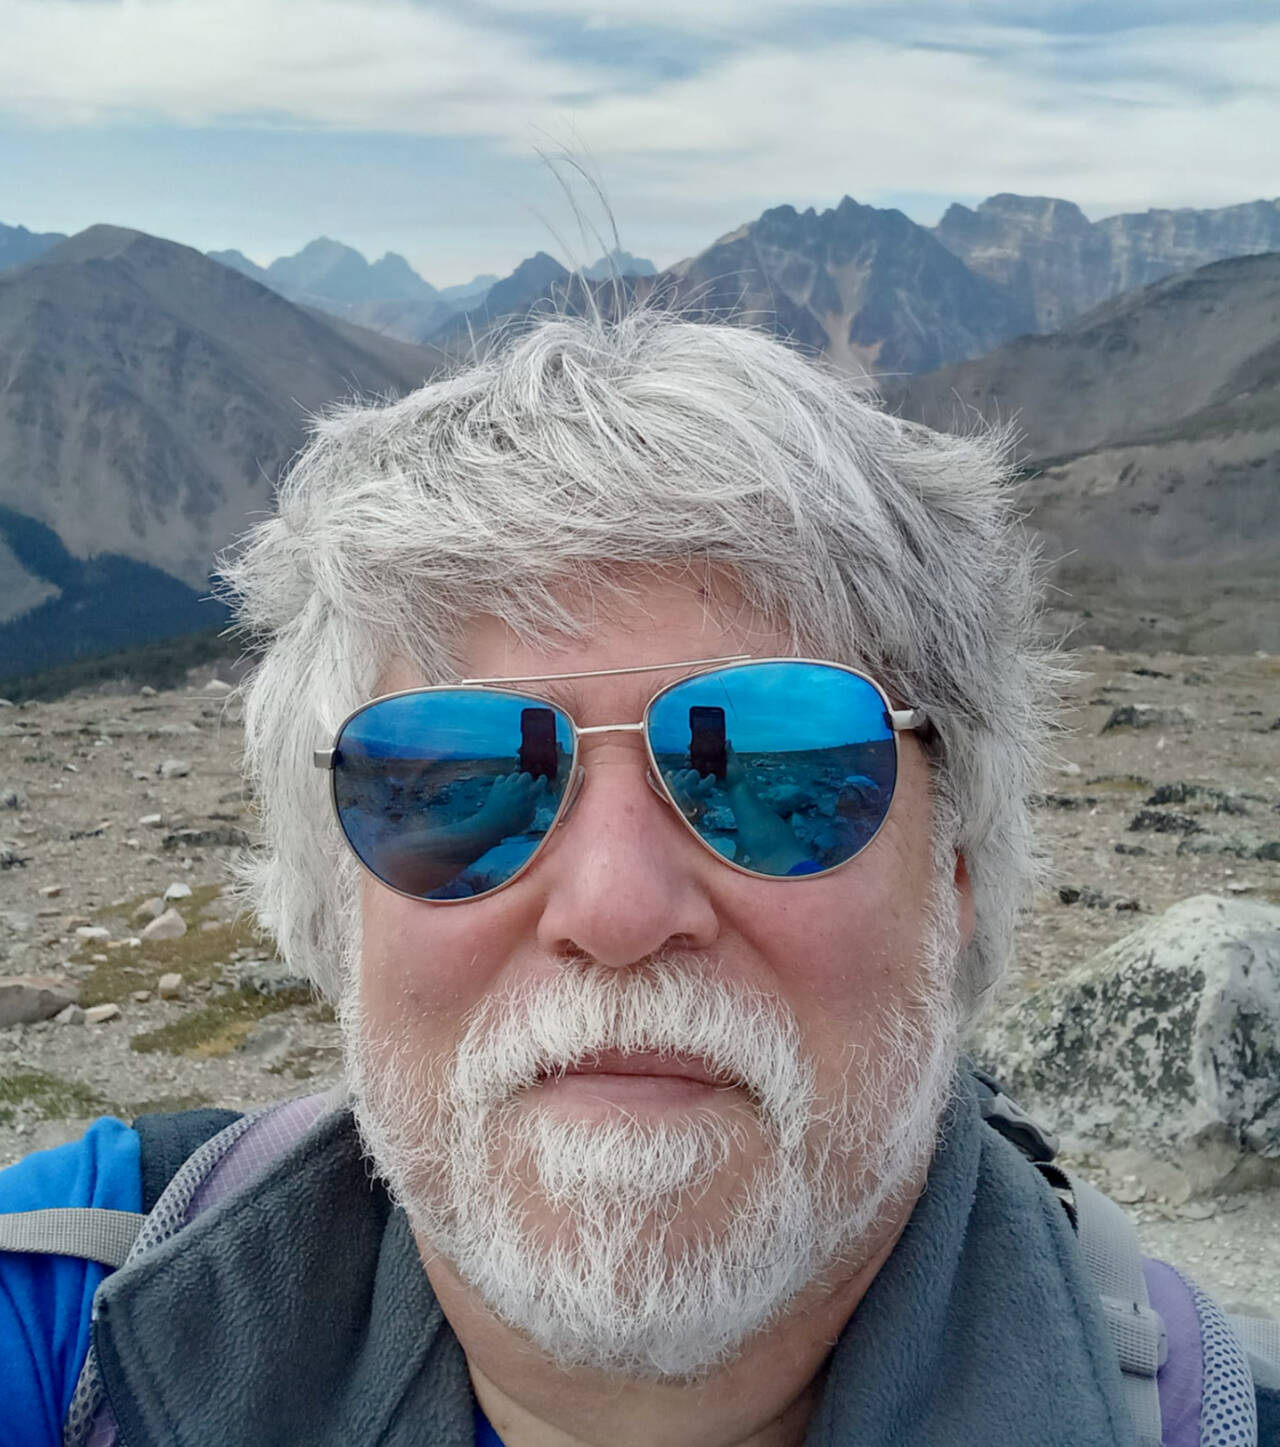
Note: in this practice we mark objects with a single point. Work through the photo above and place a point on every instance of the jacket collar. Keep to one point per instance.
(299, 1311)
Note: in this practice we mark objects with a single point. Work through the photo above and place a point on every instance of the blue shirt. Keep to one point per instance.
(46, 1301)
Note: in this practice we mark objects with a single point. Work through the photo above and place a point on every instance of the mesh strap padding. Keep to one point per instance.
(1113, 1256)
(1260, 1337)
(90, 1232)
(1229, 1416)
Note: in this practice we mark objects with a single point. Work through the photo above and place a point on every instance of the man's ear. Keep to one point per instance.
(964, 900)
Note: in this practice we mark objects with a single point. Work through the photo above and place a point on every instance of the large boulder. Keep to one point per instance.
(25, 999)
(1165, 1047)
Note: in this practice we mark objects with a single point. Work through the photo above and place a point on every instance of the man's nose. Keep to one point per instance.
(624, 879)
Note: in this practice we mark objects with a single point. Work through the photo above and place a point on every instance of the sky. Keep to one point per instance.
(426, 128)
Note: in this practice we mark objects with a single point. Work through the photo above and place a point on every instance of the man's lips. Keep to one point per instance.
(644, 1063)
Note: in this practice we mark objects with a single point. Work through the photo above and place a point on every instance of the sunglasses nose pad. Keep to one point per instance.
(571, 796)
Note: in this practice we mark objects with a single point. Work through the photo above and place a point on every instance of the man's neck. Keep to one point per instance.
(763, 1398)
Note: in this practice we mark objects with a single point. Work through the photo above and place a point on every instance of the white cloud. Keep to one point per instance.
(1158, 115)
(1173, 117)
(344, 64)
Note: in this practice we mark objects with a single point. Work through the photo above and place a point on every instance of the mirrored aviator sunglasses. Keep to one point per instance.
(783, 768)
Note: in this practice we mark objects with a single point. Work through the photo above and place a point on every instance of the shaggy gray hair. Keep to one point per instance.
(577, 445)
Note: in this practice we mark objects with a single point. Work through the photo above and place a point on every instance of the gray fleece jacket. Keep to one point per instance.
(298, 1312)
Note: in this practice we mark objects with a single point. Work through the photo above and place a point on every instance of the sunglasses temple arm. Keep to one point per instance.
(323, 758)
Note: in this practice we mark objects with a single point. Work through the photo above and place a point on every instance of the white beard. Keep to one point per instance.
(619, 1270)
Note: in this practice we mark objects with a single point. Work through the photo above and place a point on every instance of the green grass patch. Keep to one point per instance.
(195, 955)
(218, 1027)
(49, 1096)
(1120, 783)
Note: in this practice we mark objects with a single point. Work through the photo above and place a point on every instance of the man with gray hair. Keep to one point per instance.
(675, 712)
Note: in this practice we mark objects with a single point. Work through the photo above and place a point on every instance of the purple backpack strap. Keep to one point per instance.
(1180, 1380)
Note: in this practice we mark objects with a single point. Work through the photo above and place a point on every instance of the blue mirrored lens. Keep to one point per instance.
(784, 768)
(446, 795)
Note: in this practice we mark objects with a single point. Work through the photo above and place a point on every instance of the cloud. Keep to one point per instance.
(1167, 116)
(341, 64)
(942, 97)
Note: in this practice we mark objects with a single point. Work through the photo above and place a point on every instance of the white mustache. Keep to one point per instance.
(673, 1007)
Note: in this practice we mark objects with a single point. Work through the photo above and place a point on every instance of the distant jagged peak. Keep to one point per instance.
(619, 263)
(331, 271)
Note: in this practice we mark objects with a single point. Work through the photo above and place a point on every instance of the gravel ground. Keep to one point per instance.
(93, 823)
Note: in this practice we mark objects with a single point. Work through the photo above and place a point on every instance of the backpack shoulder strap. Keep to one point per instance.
(1113, 1257)
(94, 1233)
(169, 1139)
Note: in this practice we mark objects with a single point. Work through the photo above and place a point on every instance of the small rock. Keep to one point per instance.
(268, 977)
(149, 909)
(71, 1015)
(170, 986)
(70, 768)
(1161, 821)
(12, 797)
(141, 996)
(98, 959)
(51, 891)
(168, 926)
(1134, 849)
(1198, 1210)
(151, 821)
(93, 932)
(1128, 1191)
(221, 834)
(146, 691)
(217, 688)
(174, 769)
(1238, 886)
(6, 703)
(1145, 716)
(100, 1014)
(178, 890)
(27, 998)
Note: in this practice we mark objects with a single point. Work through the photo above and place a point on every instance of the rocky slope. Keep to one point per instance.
(1059, 264)
(1169, 786)
(149, 397)
(1150, 434)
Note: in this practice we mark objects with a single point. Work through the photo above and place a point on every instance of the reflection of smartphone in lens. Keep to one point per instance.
(538, 742)
(706, 741)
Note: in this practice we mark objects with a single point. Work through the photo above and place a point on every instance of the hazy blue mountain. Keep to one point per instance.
(148, 398)
(326, 271)
(619, 263)
(238, 261)
(468, 292)
(18, 245)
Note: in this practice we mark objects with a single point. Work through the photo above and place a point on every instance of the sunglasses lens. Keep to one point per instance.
(447, 794)
(785, 768)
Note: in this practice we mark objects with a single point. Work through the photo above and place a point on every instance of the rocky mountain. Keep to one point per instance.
(18, 245)
(1151, 438)
(1059, 264)
(148, 398)
(867, 287)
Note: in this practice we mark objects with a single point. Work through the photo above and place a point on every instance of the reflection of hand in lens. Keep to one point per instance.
(765, 842)
(426, 856)
(509, 809)
(691, 791)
